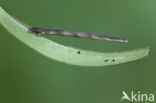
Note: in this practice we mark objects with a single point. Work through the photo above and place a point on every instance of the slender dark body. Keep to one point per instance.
(40, 31)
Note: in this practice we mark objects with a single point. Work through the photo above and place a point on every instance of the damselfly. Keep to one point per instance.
(40, 31)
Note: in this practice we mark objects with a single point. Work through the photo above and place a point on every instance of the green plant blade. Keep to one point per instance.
(66, 54)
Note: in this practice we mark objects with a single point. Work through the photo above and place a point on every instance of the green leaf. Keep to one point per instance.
(63, 53)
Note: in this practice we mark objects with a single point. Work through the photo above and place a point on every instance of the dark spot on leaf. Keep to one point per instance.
(113, 60)
(106, 60)
(78, 52)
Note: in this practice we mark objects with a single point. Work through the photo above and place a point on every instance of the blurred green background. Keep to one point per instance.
(28, 77)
